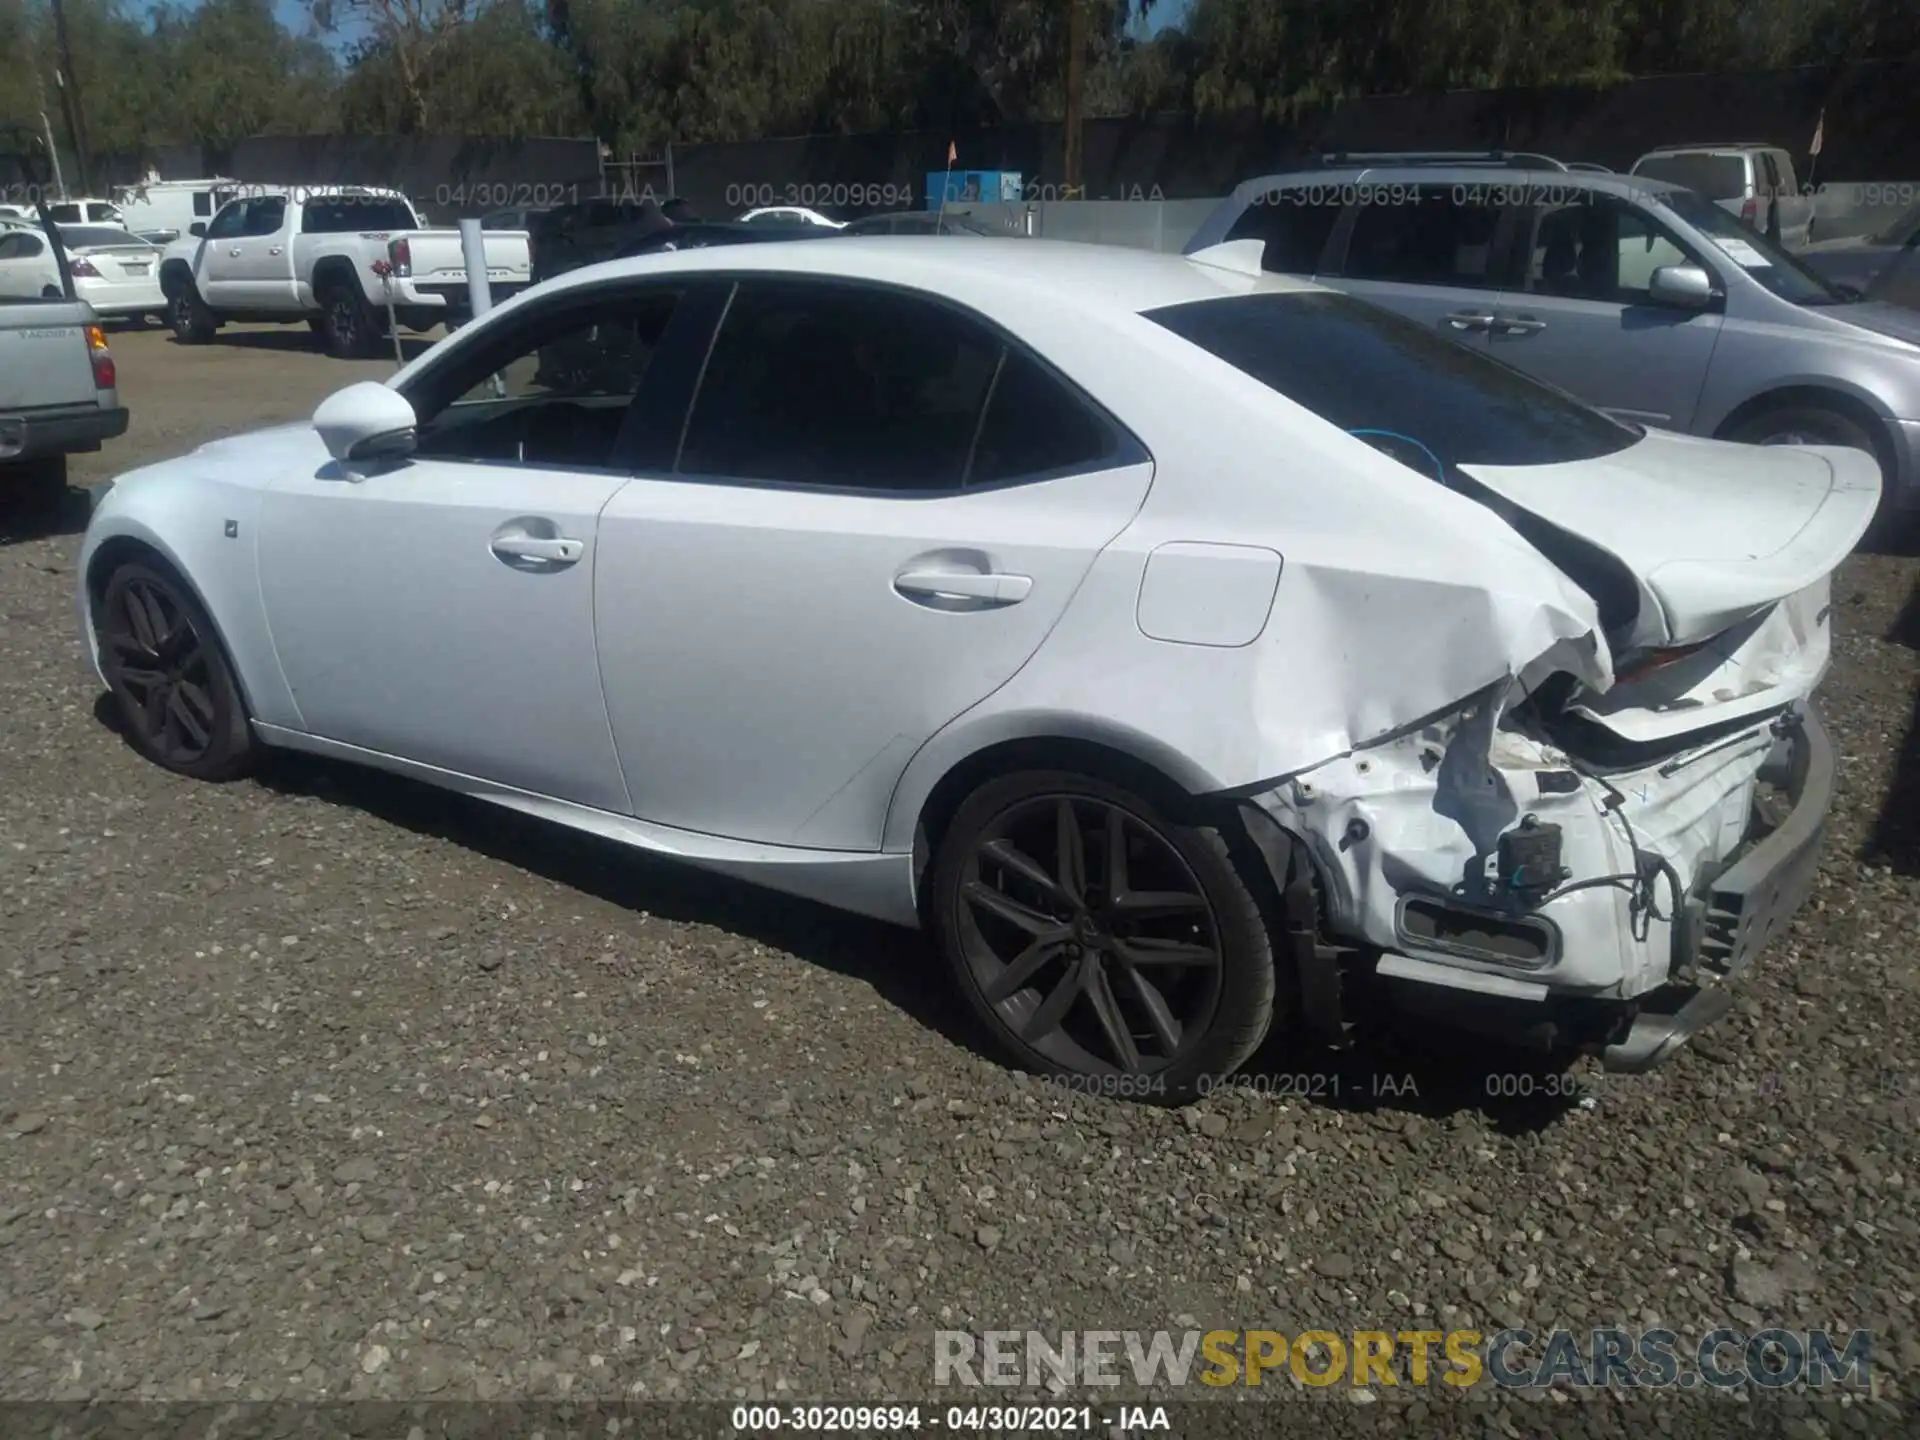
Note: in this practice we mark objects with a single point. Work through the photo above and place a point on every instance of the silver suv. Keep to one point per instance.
(1752, 180)
(1642, 298)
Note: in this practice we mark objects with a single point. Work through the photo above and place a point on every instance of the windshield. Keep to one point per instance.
(1429, 402)
(1763, 260)
(87, 237)
(1718, 177)
(1901, 230)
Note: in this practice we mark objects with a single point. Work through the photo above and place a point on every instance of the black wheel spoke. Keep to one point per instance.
(1070, 857)
(153, 710)
(185, 722)
(1054, 1008)
(1150, 903)
(128, 647)
(1010, 856)
(140, 677)
(147, 625)
(1106, 1009)
(997, 902)
(1024, 966)
(1143, 950)
(1166, 1029)
(1116, 876)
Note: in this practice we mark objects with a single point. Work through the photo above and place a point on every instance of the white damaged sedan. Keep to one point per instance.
(1184, 647)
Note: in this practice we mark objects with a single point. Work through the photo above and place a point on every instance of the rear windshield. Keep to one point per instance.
(1429, 402)
(87, 237)
(351, 215)
(1718, 177)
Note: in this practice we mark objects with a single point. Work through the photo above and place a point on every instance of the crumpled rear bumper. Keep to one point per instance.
(1743, 910)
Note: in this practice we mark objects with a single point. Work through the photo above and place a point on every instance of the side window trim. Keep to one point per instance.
(1524, 233)
(1500, 269)
(1128, 450)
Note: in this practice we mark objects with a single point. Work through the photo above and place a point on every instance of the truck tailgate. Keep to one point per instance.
(44, 358)
(438, 260)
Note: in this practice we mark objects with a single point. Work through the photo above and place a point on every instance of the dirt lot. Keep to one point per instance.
(328, 1086)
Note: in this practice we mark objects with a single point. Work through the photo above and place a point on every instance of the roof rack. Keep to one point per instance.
(1508, 159)
(1716, 145)
(1590, 167)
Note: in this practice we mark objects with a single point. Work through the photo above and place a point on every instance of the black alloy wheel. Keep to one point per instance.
(170, 677)
(1097, 938)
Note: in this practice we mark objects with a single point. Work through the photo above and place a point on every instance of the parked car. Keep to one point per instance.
(1752, 180)
(59, 389)
(701, 233)
(920, 222)
(86, 210)
(1856, 260)
(789, 215)
(164, 210)
(113, 271)
(1643, 298)
(945, 584)
(309, 254)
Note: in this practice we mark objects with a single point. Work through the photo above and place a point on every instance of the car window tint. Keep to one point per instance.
(1718, 177)
(1036, 425)
(553, 390)
(1428, 401)
(1604, 251)
(202, 203)
(818, 384)
(64, 214)
(354, 216)
(229, 222)
(1296, 222)
(265, 215)
(1442, 236)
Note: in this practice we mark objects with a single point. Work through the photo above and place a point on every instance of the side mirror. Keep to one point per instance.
(1685, 287)
(366, 422)
(198, 229)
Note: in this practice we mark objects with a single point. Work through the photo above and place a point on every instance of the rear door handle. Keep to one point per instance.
(559, 551)
(1470, 319)
(986, 589)
(274, 251)
(1519, 325)
(235, 250)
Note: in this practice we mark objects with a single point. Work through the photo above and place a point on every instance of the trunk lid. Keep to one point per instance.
(1706, 533)
(44, 359)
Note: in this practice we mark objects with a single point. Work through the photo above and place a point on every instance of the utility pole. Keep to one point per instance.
(69, 83)
(1076, 85)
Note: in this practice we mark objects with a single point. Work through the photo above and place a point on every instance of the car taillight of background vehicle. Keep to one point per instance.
(1749, 211)
(82, 269)
(401, 253)
(105, 377)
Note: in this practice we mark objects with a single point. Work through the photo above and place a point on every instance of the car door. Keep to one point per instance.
(220, 252)
(880, 507)
(1796, 206)
(260, 257)
(1582, 316)
(1432, 252)
(27, 266)
(441, 609)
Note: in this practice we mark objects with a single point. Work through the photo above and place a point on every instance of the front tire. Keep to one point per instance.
(1098, 938)
(348, 327)
(170, 676)
(193, 323)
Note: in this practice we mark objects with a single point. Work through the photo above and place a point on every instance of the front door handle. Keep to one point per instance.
(274, 251)
(984, 589)
(235, 250)
(1519, 325)
(1470, 319)
(556, 551)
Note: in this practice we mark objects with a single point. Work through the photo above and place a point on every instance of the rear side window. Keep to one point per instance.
(1296, 224)
(1439, 235)
(1429, 402)
(202, 204)
(1035, 425)
(1718, 177)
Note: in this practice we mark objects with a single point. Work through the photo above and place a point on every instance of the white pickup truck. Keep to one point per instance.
(285, 254)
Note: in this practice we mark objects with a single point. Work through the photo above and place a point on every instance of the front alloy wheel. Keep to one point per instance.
(169, 676)
(1097, 938)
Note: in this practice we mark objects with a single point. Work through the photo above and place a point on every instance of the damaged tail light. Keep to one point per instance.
(105, 377)
(1657, 660)
(1749, 210)
(82, 268)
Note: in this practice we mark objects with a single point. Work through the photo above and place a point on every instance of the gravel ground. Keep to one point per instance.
(327, 1086)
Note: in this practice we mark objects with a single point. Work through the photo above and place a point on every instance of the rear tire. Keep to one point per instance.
(37, 487)
(193, 323)
(348, 327)
(1813, 424)
(171, 679)
(1145, 977)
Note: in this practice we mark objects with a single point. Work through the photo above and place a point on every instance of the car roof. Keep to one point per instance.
(1104, 278)
(1726, 146)
(1491, 177)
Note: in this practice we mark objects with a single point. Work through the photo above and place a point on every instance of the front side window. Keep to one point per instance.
(1295, 223)
(1604, 250)
(552, 391)
(840, 386)
(230, 222)
(265, 216)
(1430, 402)
(1753, 252)
(1446, 236)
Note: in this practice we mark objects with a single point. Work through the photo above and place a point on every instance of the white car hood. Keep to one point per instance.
(1711, 532)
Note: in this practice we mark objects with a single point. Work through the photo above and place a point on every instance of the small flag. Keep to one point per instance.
(953, 153)
(1819, 132)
